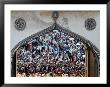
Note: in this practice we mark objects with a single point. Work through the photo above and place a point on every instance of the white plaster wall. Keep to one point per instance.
(39, 20)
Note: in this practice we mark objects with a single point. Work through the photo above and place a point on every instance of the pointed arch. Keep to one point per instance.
(55, 26)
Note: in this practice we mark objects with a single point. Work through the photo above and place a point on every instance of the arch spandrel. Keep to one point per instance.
(86, 43)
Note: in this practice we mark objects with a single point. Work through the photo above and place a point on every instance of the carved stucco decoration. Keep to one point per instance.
(90, 24)
(20, 24)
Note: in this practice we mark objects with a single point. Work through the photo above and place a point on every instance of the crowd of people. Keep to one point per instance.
(52, 55)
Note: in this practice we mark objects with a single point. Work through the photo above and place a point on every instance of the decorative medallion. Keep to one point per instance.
(20, 24)
(90, 24)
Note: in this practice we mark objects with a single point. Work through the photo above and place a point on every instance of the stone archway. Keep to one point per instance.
(74, 57)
